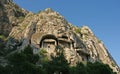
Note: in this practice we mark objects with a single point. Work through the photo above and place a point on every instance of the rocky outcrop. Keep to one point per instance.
(97, 49)
(10, 16)
(48, 30)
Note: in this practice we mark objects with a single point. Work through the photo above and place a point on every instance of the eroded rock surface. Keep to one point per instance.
(10, 16)
(49, 29)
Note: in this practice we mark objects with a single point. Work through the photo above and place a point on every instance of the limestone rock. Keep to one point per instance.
(97, 48)
(10, 16)
(49, 30)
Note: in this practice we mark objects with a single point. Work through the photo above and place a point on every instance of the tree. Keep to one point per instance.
(24, 62)
(99, 68)
(78, 69)
(58, 64)
(91, 68)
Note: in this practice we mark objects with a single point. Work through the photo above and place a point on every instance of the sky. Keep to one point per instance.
(102, 16)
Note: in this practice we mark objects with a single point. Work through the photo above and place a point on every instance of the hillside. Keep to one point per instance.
(49, 30)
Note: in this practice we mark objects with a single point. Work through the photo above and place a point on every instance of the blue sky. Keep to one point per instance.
(102, 16)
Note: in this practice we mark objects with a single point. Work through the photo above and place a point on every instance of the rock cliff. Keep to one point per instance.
(49, 30)
(10, 16)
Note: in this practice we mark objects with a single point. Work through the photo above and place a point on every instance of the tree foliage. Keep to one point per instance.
(91, 68)
(23, 62)
(26, 62)
(58, 64)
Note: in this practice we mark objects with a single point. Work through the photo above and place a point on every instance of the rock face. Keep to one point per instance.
(10, 16)
(49, 30)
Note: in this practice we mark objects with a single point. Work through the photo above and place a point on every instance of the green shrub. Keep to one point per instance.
(99, 41)
(78, 30)
(3, 37)
(42, 51)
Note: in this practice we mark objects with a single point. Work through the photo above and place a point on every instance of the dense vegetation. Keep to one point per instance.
(25, 62)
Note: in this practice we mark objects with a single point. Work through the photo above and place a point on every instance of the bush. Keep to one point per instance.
(3, 37)
(78, 30)
(42, 51)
